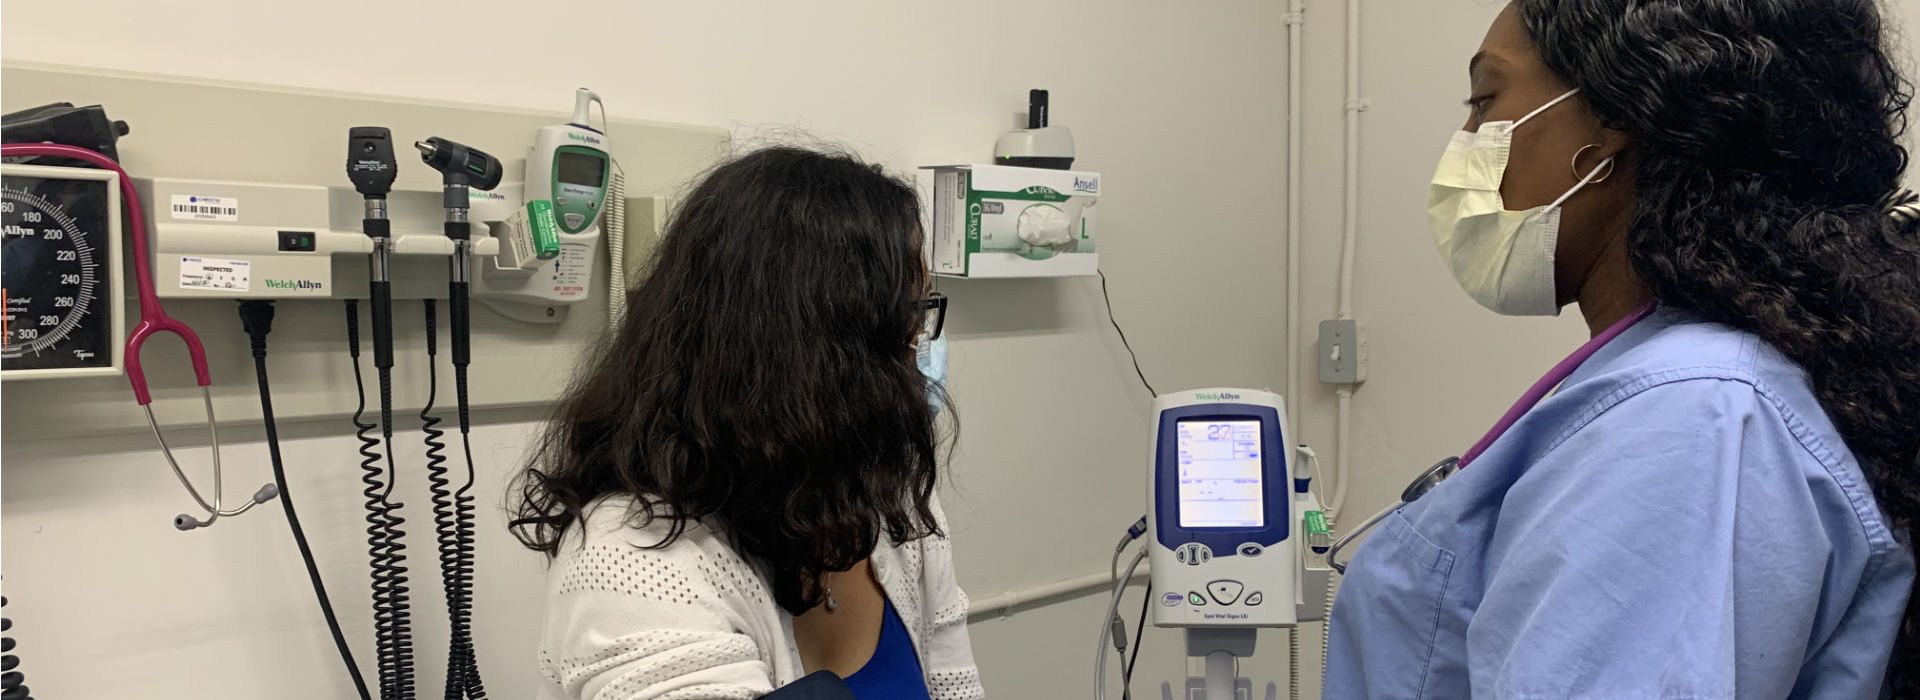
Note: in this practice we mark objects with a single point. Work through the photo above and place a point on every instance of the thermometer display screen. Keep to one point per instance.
(580, 169)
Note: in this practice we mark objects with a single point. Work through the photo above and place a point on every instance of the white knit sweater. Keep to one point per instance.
(694, 621)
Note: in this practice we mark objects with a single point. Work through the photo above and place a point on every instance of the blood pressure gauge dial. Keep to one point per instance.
(60, 268)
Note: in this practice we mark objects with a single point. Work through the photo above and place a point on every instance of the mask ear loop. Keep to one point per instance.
(1549, 105)
(1606, 165)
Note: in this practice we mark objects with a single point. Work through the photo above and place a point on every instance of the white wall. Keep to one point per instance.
(1442, 370)
(1178, 107)
(1173, 103)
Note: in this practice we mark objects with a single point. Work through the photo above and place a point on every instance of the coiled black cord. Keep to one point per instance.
(256, 316)
(13, 683)
(453, 521)
(463, 503)
(392, 638)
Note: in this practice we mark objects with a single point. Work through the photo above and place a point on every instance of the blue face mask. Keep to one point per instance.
(932, 358)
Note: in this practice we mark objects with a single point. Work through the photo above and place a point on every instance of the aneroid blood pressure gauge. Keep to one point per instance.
(60, 269)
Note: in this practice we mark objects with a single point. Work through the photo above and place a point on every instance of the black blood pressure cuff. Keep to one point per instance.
(822, 685)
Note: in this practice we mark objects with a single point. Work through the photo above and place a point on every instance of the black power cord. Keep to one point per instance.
(1140, 628)
(1123, 335)
(256, 318)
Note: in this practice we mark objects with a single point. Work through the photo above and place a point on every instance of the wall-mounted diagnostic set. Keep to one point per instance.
(527, 249)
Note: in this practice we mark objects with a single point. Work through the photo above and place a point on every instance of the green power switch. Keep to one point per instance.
(296, 242)
(1196, 599)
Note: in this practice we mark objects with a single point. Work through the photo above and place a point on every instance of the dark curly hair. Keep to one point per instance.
(1768, 143)
(763, 381)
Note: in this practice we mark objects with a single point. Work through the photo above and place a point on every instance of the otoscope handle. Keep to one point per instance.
(457, 314)
(382, 293)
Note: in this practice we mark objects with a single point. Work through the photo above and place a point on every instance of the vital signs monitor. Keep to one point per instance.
(1220, 521)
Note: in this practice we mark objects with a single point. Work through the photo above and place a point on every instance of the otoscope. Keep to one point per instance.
(461, 168)
(372, 168)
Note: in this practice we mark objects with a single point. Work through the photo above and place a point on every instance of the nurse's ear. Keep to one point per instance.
(1606, 157)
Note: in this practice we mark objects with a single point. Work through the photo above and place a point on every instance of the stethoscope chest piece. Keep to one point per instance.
(1422, 485)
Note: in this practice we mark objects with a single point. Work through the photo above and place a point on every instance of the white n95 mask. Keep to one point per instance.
(1503, 259)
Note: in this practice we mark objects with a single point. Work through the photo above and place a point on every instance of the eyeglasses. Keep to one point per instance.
(933, 316)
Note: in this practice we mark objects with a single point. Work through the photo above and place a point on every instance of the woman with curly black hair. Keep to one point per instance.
(738, 490)
(1718, 501)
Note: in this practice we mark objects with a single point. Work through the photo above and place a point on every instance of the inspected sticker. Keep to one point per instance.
(199, 207)
(215, 275)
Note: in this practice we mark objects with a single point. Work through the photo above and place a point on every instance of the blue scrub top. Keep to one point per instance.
(1679, 520)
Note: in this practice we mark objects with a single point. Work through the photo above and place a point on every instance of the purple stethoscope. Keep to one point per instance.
(1445, 468)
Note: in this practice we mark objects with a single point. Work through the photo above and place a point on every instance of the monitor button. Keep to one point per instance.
(1196, 598)
(1253, 598)
(1251, 550)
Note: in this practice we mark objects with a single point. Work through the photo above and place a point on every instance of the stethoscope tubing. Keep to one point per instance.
(153, 321)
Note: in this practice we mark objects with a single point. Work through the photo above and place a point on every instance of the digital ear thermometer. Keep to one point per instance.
(570, 166)
(572, 195)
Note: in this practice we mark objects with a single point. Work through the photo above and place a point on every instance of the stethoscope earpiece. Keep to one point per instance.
(188, 523)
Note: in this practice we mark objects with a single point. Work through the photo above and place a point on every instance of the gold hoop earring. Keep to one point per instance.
(1576, 164)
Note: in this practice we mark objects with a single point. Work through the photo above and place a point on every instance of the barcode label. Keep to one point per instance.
(190, 207)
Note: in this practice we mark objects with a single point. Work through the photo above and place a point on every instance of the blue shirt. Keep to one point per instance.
(893, 673)
(1679, 521)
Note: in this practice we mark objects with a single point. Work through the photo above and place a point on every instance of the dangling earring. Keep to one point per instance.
(832, 604)
(1576, 165)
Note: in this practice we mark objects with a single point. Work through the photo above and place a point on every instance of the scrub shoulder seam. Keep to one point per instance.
(1647, 382)
(1874, 528)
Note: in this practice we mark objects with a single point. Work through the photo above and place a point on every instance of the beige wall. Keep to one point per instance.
(1181, 105)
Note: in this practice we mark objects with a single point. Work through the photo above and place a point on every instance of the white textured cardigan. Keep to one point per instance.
(695, 621)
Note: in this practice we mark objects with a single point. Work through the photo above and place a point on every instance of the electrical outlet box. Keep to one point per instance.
(1343, 352)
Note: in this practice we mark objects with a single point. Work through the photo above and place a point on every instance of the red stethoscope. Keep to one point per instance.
(1445, 468)
(154, 320)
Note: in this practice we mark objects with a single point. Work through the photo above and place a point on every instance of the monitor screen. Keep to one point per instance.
(581, 169)
(1221, 474)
